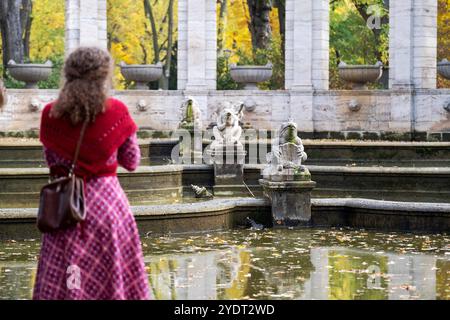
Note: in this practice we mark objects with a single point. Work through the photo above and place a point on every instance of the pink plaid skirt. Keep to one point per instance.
(100, 258)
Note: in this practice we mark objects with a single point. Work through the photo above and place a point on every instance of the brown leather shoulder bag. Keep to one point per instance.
(61, 202)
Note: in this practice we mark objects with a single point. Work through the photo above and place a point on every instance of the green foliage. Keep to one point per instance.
(12, 83)
(352, 41)
(54, 81)
(272, 54)
(224, 80)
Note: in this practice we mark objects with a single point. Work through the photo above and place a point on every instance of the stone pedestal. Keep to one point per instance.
(291, 201)
(192, 148)
(228, 164)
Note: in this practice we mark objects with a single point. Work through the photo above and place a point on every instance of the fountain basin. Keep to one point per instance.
(443, 68)
(30, 73)
(360, 75)
(142, 74)
(250, 75)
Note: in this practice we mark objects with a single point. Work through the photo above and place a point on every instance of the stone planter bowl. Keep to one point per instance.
(141, 74)
(251, 75)
(30, 73)
(360, 75)
(443, 68)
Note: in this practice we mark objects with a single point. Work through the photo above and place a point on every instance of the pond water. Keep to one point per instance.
(273, 264)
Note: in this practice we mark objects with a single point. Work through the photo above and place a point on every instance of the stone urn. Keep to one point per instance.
(142, 74)
(443, 68)
(251, 75)
(360, 75)
(30, 73)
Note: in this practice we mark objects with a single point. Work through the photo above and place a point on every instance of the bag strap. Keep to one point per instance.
(77, 150)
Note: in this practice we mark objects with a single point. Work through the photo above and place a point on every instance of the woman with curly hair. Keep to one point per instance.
(100, 257)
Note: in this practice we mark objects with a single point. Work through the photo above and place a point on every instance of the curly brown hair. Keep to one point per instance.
(84, 92)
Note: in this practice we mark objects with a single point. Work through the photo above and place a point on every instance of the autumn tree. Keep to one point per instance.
(221, 25)
(168, 41)
(259, 24)
(15, 28)
(443, 51)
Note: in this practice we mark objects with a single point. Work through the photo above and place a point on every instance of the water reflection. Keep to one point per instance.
(280, 264)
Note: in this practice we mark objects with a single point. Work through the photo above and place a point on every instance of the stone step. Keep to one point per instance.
(338, 153)
(155, 184)
(167, 184)
(383, 183)
(27, 153)
(219, 214)
(323, 152)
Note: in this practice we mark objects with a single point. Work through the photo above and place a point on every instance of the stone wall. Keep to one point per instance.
(334, 114)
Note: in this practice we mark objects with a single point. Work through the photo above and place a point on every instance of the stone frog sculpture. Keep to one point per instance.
(228, 130)
(191, 115)
(285, 160)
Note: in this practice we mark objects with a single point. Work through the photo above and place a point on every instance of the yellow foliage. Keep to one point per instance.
(129, 32)
(47, 29)
(236, 27)
(443, 37)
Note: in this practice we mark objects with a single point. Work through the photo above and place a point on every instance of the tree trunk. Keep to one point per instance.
(259, 25)
(281, 5)
(221, 26)
(149, 14)
(26, 21)
(15, 29)
(166, 76)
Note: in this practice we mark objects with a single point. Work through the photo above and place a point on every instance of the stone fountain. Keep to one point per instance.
(443, 68)
(30, 73)
(286, 182)
(360, 75)
(250, 76)
(227, 153)
(142, 75)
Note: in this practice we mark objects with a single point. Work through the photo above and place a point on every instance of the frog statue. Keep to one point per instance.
(285, 160)
(191, 115)
(228, 131)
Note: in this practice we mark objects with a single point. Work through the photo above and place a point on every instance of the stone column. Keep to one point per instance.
(307, 56)
(307, 44)
(85, 24)
(412, 58)
(425, 44)
(413, 44)
(197, 43)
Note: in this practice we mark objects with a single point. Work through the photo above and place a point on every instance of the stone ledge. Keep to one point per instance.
(216, 206)
(389, 206)
(227, 213)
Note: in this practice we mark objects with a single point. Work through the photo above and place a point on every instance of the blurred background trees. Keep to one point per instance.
(248, 32)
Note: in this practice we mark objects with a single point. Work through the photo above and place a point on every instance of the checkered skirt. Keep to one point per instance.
(100, 258)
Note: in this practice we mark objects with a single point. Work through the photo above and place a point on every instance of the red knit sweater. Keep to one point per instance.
(102, 138)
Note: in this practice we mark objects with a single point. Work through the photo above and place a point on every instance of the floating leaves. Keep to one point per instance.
(273, 264)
